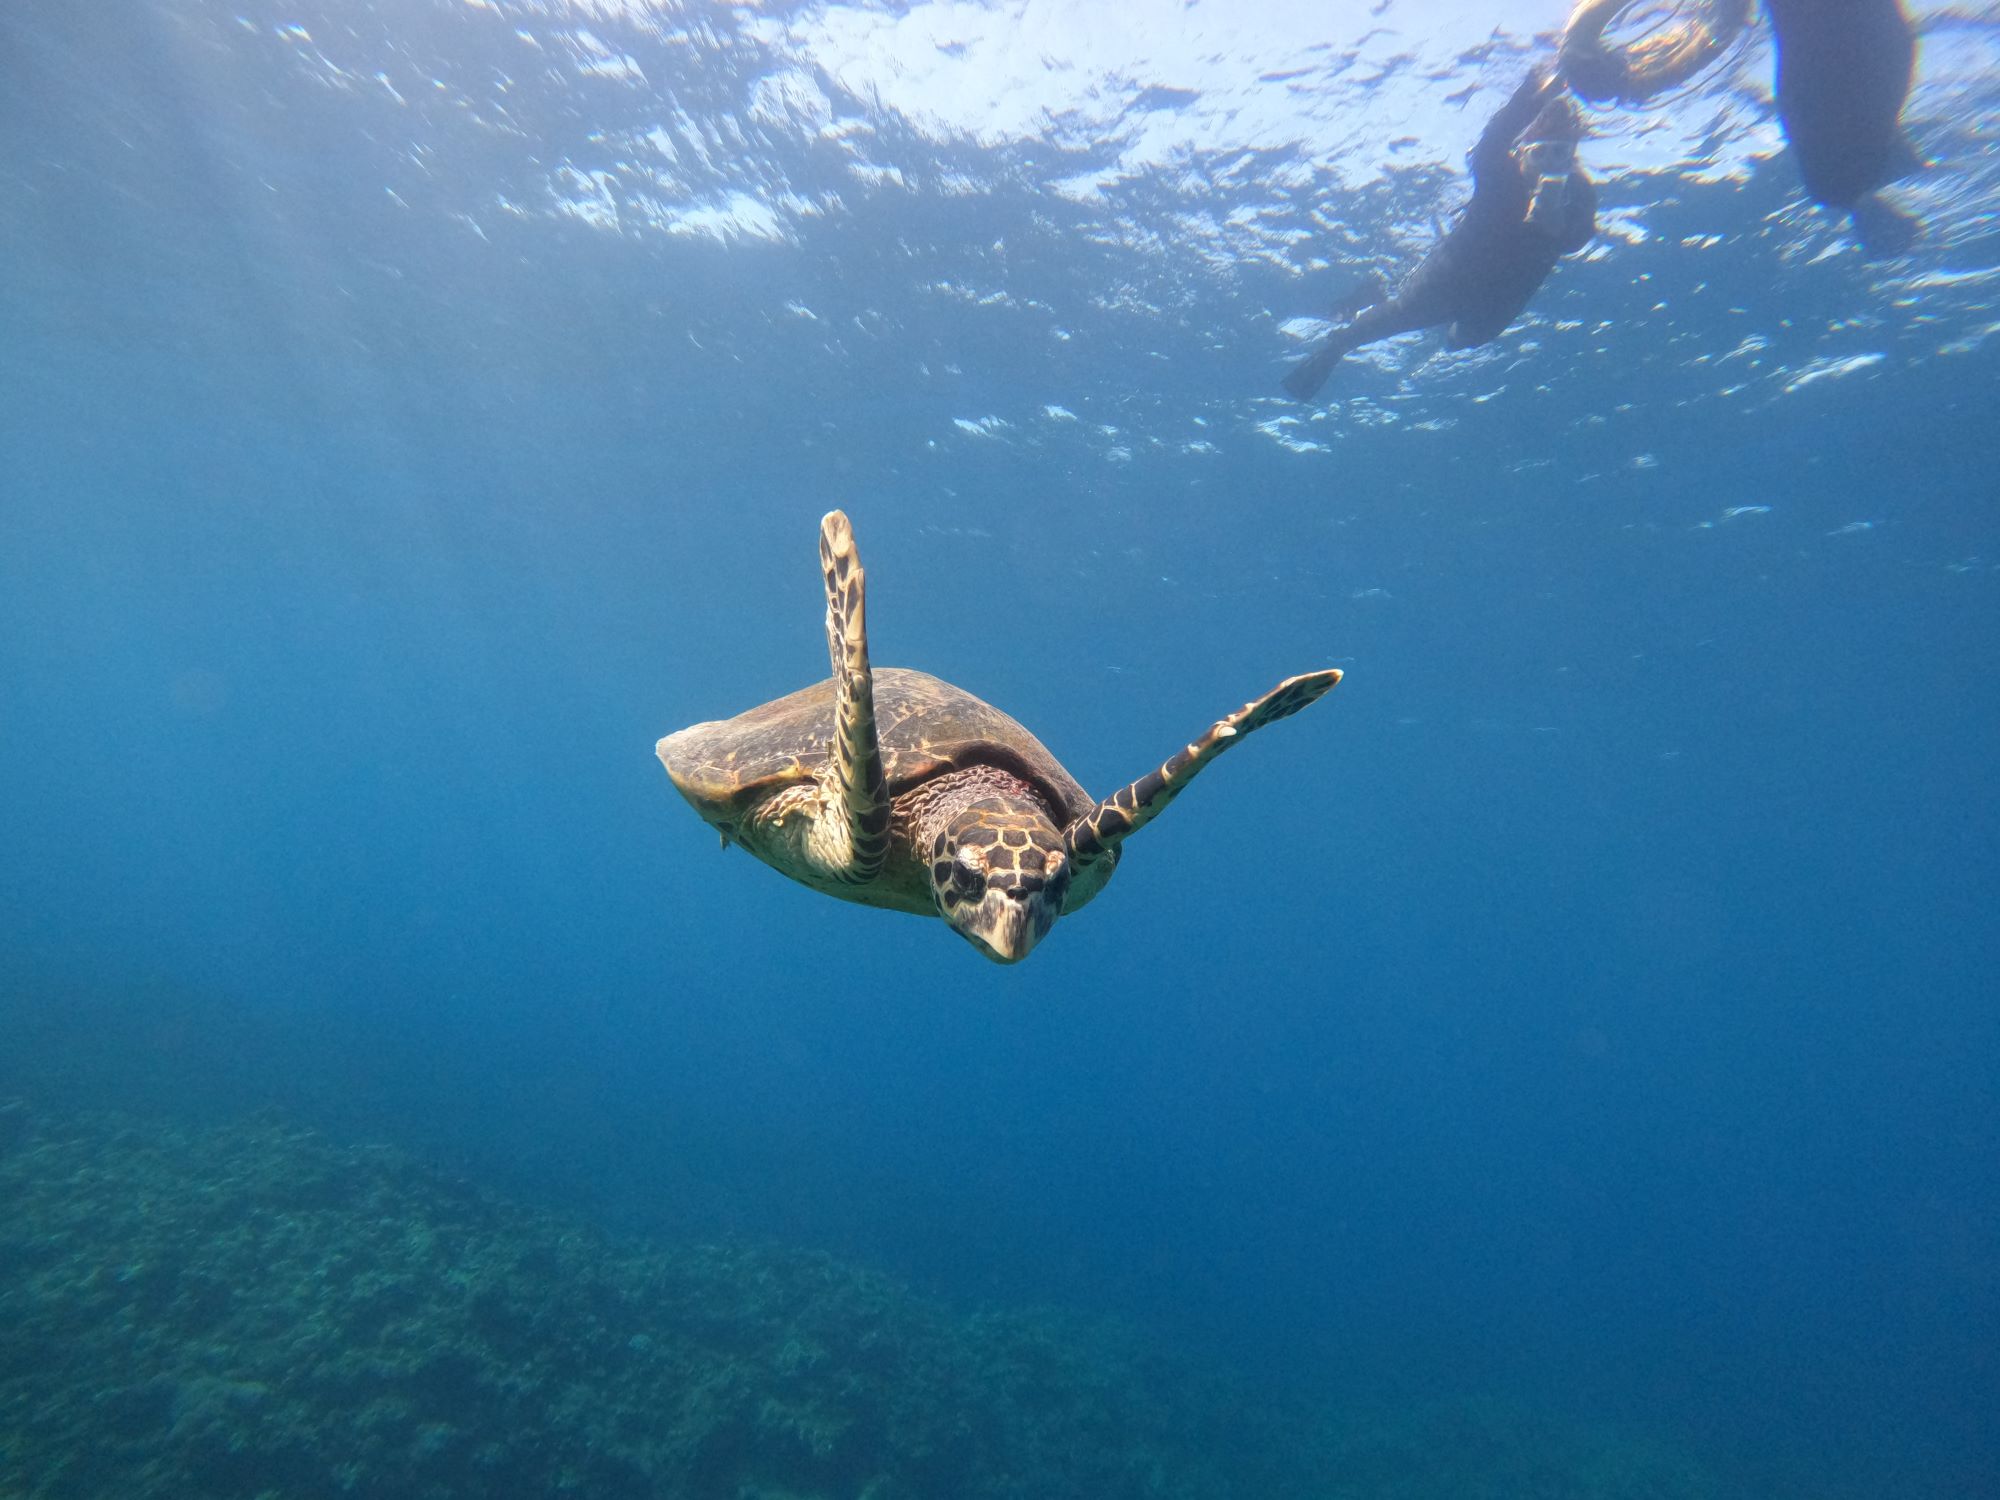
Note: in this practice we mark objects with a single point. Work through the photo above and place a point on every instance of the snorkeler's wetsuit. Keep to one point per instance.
(1523, 217)
(1843, 73)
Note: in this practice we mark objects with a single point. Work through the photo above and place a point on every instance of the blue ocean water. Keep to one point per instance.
(409, 413)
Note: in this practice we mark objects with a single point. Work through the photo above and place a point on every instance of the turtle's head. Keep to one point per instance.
(1000, 876)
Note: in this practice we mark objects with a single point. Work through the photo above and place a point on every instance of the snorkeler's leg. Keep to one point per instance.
(1384, 320)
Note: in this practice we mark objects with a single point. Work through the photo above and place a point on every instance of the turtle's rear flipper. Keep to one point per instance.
(857, 755)
(1098, 832)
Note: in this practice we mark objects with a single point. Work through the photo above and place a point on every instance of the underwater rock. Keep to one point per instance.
(253, 1311)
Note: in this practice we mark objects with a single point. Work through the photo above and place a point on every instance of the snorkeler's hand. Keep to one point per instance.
(1510, 120)
(1540, 83)
(1521, 108)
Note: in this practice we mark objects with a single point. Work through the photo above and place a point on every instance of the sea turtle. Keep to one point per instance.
(892, 788)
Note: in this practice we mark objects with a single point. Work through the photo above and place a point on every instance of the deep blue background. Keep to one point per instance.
(1593, 998)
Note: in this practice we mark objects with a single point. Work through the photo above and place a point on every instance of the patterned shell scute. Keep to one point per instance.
(925, 725)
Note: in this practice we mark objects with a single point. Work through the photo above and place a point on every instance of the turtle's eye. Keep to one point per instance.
(959, 877)
(968, 874)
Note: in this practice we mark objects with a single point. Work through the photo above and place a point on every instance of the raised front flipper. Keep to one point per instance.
(857, 756)
(1098, 832)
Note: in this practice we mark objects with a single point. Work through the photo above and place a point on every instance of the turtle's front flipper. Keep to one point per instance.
(857, 756)
(1098, 832)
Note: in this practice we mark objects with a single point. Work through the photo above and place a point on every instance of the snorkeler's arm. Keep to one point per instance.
(1493, 152)
(1580, 216)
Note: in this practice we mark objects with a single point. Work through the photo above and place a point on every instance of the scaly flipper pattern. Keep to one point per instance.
(1094, 835)
(857, 756)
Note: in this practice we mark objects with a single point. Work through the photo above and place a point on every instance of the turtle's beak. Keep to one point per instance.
(1005, 926)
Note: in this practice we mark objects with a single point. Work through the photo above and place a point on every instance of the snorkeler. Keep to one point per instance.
(1531, 205)
(1843, 74)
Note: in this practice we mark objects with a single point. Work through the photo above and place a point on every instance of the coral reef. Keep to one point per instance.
(252, 1311)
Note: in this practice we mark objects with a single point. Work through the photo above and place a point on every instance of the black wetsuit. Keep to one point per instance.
(1844, 71)
(1482, 274)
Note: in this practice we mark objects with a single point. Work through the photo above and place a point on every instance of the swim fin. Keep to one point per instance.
(1303, 380)
(1884, 230)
